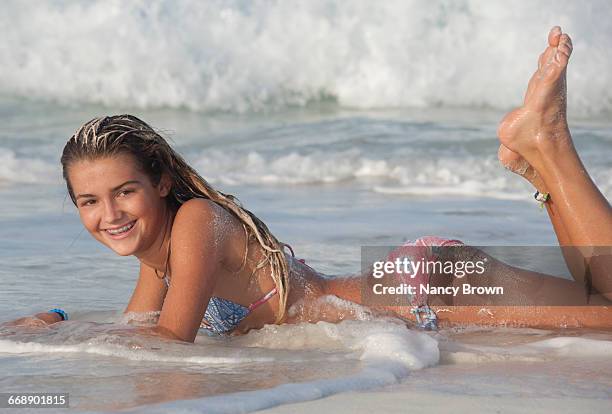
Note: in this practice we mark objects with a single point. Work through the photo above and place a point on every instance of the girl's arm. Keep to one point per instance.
(149, 293)
(49, 317)
(40, 319)
(194, 263)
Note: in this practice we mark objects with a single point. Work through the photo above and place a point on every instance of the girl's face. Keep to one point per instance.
(118, 204)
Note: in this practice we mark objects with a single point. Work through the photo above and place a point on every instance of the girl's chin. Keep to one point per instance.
(122, 247)
(124, 252)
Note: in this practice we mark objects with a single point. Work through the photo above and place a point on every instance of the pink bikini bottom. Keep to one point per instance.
(423, 250)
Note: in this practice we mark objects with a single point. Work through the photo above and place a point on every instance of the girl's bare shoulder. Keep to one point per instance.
(198, 207)
(202, 215)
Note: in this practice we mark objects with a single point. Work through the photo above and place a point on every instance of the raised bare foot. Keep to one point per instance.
(526, 131)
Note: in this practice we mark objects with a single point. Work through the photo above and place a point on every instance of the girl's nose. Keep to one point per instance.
(112, 214)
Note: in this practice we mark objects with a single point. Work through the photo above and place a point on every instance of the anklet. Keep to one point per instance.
(541, 198)
(428, 321)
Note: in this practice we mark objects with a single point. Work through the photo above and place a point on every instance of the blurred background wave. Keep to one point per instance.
(264, 55)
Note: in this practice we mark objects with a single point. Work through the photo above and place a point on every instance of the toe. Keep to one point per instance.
(564, 51)
(565, 44)
(554, 39)
(553, 36)
(561, 59)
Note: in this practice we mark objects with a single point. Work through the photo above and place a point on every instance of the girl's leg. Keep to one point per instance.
(538, 132)
(518, 165)
(536, 142)
(530, 299)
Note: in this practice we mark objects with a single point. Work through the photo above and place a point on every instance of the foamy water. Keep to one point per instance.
(288, 364)
(351, 355)
(397, 154)
(243, 56)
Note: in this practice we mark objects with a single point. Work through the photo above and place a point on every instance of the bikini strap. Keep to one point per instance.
(274, 291)
(288, 247)
(263, 300)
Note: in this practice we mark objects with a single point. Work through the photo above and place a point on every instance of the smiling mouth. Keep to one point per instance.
(121, 230)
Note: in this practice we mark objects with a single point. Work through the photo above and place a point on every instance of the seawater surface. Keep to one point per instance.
(327, 181)
(341, 125)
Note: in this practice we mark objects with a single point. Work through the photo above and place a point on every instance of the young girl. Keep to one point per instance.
(208, 263)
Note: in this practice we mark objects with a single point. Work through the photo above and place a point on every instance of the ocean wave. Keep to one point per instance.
(250, 56)
(16, 169)
(417, 174)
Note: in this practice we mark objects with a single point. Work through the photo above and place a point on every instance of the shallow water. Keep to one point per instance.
(326, 183)
(378, 129)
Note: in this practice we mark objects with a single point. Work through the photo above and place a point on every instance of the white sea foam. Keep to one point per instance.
(244, 402)
(420, 174)
(384, 351)
(391, 351)
(578, 348)
(19, 169)
(388, 350)
(113, 346)
(573, 347)
(371, 340)
(240, 56)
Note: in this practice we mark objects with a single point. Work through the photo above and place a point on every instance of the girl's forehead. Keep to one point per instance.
(121, 163)
(102, 172)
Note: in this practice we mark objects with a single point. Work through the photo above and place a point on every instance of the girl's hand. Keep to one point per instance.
(28, 321)
(38, 320)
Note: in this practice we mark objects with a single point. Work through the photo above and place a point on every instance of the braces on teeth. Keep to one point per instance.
(122, 229)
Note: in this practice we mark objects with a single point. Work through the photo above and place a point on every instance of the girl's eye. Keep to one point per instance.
(88, 203)
(125, 192)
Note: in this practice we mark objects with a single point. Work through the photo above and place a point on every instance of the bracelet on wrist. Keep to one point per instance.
(60, 312)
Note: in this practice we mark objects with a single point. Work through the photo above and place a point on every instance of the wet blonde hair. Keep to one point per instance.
(112, 135)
